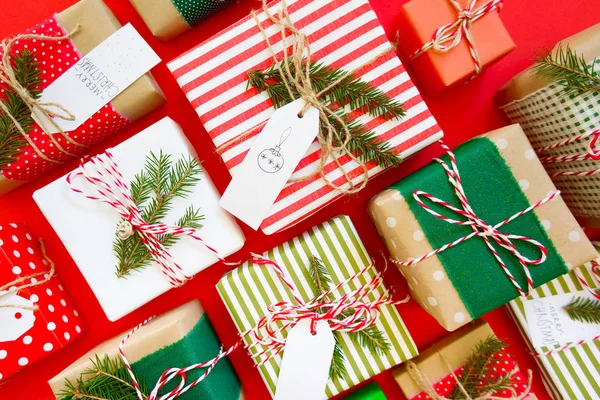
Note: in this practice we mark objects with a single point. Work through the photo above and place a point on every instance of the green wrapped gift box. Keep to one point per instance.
(176, 339)
(370, 392)
(250, 289)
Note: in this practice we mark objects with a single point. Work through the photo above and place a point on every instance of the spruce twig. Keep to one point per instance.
(153, 191)
(28, 75)
(584, 310)
(568, 69)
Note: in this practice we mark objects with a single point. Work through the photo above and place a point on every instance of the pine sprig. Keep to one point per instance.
(28, 75)
(479, 364)
(584, 310)
(569, 69)
(107, 379)
(153, 191)
(351, 91)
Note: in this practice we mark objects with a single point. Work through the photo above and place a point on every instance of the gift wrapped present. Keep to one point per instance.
(160, 225)
(370, 392)
(37, 318)
(573, 372)
(84, 25)
(167, 19)
(470, 244)
(343, 35)
(333, 255)
(561, 118)
(457, 361)
(451, 41)
(176, 339)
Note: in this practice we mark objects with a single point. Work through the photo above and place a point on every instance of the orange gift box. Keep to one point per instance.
(417, 22)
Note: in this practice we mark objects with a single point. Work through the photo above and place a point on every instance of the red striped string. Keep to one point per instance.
(107, 184)
(480, 228)
(592, 154)
(448, 36)
(348, 313)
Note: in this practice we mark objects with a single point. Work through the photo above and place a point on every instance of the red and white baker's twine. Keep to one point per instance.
(348, 313)
(480, 228)
(455, 31)
(592, 154)
(103, 175)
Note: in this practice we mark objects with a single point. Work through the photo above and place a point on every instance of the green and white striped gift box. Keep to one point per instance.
(573, 374)
(248, 290)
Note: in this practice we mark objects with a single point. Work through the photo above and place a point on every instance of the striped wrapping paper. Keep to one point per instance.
(344, 34)
(248, 290)
(573, 374)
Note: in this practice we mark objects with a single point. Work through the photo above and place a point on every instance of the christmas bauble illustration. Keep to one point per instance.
(15, 321)
(270, 160)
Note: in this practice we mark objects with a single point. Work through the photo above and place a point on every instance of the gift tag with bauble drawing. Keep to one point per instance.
(17, 319)
(270, 160)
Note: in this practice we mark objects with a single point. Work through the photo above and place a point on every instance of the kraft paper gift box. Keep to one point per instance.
(177, 339)
(167, 19)
(455, 350)
(87, 227)
(343, 34)
(248, 290)
(502, 176)
(417, 22)
(573, 373)
(38, 319)
(548, 116)
(54, 58)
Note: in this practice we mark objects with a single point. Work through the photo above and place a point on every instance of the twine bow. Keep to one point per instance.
(103, 175)
(481, 228)
(592, 154)
(448, 36)
(349, 313)
(50, 111)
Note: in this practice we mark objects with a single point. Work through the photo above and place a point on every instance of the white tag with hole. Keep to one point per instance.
(97, 78)
(304, 369)
(15, 321)
(276, 152)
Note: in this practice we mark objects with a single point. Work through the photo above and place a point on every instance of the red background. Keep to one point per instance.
(463, 112)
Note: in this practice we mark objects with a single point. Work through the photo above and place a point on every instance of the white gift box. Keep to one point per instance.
(87, 227)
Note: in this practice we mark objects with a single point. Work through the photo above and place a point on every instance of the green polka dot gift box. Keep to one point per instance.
(471, 235)
(167, 19)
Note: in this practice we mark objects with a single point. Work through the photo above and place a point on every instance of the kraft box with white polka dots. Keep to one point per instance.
(37, 318)
(430, 283)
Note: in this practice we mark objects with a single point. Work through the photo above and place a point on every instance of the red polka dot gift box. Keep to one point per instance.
(29, 151)
(471, 360)
(37, 316)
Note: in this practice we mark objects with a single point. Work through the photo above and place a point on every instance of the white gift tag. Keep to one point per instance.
(98, 77)
(550, 325)
(14, 322)
(274, 155)
(304, 369)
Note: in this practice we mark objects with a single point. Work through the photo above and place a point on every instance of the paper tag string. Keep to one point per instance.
(480, 228)
(592, 154)
(351, 312)
(49, 110)
(298, 76)
(17, 285)
(448, 36)
(107, 184)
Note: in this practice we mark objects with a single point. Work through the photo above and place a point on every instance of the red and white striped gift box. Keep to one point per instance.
(344, 34)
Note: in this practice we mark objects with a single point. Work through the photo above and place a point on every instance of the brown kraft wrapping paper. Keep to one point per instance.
(162, 18)
(425, 289)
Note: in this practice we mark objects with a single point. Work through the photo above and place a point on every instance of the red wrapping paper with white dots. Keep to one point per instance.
(455, 349)
(53, 58)
(36, 321)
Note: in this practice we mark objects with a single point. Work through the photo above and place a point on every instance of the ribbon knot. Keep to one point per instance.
(480, 228)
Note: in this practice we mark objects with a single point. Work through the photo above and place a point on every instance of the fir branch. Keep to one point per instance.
(153, 191)
(107, 379)
(372, 339)
(338, 363)
(569, 69)
(28, 75)
(584, 310)
(479, 364)
(320, 279)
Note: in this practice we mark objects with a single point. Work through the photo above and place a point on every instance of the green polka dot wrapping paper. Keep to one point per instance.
(501, 176)
(572, 374)
(168, 19)
(548, 116)
(179, 338)
(250, 289)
